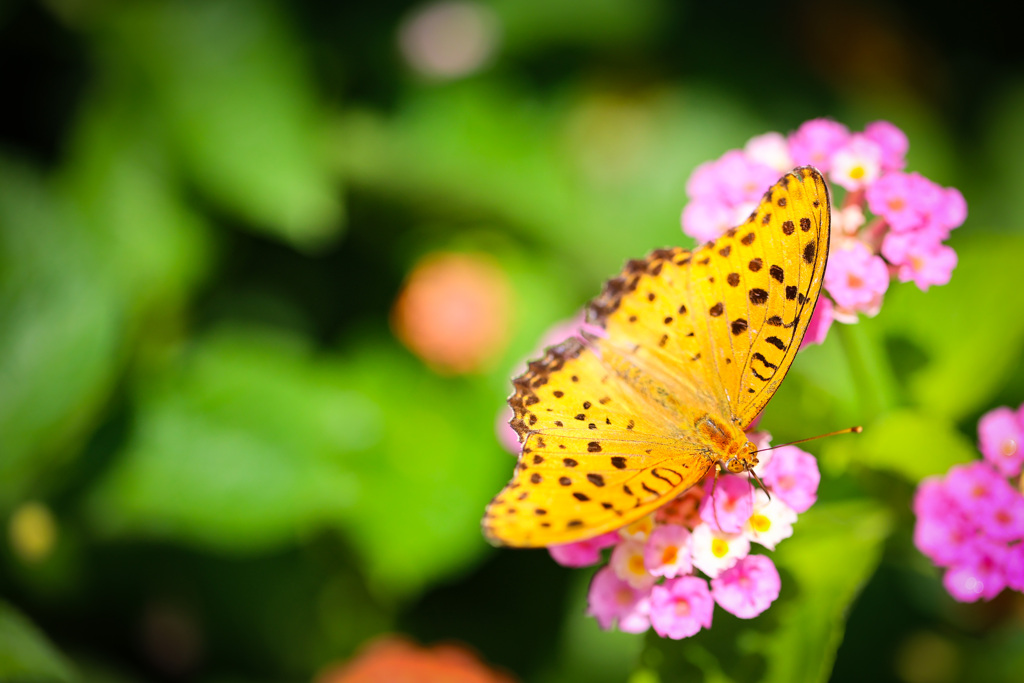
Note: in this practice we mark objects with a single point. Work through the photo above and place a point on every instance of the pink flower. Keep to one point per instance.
(1004, 519)
(730, 505)
(980, 576)
(821, 322)
(1015, 567)
(770, 149)
(749, 588)
(733, 179)
(793, 476)
(681, 607)
(816, 141)
(893, 143)
(920, 258)
(974, 487)
(667, 552)
(855, 278)
(611, 600)
(950, 210)
(582, 553)
(856, 164)
(1001, 437)
(899, 199)
(945, 538)
(706, 219)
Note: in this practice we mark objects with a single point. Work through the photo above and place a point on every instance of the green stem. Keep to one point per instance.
(871, 370)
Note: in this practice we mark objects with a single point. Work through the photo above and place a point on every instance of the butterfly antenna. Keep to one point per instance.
(760, 484)
(849, 430)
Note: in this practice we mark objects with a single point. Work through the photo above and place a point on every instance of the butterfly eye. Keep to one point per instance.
(734, 465)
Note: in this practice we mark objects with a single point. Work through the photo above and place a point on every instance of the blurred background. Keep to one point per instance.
(266, 269)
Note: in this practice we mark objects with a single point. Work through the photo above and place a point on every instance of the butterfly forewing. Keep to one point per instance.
(755, 289)
(608, 423)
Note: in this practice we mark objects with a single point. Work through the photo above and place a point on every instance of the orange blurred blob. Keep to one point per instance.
(396, 660)
(454, 312)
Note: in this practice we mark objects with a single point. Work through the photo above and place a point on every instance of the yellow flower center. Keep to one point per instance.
(857, 172)
(1009, 447)
(719, 548)
(669, 555)
(636, 564)
(760, 523)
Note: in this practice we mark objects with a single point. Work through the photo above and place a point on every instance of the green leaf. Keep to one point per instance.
(907, 442)
(834, 550)
(25, 653)
(60, 332)
(970, 330)
(226, 78)
(241, 445)
(598, 175)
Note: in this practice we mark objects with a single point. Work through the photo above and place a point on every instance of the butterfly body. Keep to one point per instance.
(689, 349)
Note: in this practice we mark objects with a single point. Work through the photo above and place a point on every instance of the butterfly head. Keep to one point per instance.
(744, 460)
(737, 453)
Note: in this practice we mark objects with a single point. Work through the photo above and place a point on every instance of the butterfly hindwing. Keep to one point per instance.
(572, 483)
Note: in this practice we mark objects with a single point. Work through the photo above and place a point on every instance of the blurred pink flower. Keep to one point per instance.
(613, 601)
(730, 502)
(856, 278)
(667, 552)
(793, 476)
(1001, 437)
(681, 607)
(892, 141)
(821, 322)
(815, 141)
(582, 553)
(706, 220)
(749, 588)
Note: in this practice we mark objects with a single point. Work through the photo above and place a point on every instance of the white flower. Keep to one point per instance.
(714, 551)
(628, 564)
(771, 522)
(857, 164)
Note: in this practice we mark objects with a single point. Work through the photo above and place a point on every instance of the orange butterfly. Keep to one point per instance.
(694, 345)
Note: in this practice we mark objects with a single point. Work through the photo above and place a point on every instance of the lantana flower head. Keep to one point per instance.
(660, 566)
(971, 521)
(888, 225)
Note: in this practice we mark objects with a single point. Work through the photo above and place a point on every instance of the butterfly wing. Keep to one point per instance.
(597, 455)
(731, 315)
(608, 423)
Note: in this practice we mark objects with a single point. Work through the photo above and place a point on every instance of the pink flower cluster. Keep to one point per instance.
(910, 216)
(651, 579)
(971, 522)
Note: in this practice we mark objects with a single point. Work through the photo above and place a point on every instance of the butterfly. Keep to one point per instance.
(690, 346)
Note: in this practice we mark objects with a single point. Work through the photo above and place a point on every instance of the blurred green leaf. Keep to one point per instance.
(119, 178)
(427, 482)
(589, 653)
(598, 174)
(530, 24)
(909, 443)
(834, 550)
(60, 332)
(971, 330)
(227, 79)
(241, 445)
(25, 653)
